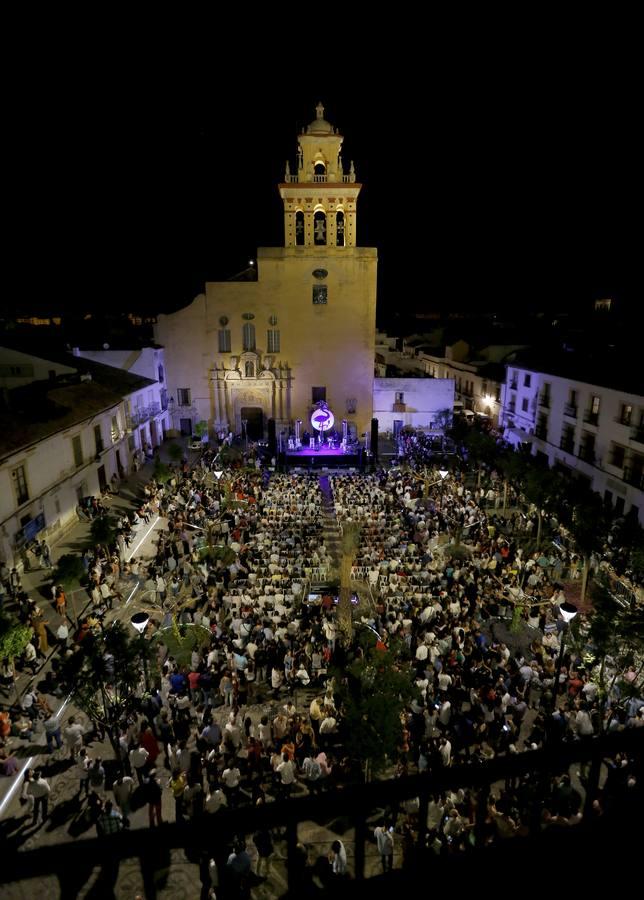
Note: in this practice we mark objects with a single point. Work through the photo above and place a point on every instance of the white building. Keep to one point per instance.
(411, 401)
(61, 438)
(148, 413)
(583, 428)
(478, 374)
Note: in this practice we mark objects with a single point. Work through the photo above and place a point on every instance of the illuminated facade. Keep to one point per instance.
(301, 330)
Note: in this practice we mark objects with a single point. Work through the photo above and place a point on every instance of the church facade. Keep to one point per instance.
(246, 351)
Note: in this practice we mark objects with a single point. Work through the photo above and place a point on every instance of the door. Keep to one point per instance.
(254, 418)
(154, 435)
(186, 426)
(102, 480)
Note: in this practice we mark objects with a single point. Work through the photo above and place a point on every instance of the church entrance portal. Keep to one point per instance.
(255, 419)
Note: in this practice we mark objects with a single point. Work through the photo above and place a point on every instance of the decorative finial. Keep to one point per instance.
(288, 170)
(319, 111)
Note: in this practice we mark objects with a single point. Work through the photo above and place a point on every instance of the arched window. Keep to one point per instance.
(248, 336)
(339, 228)
(319, 228)
(299, 228)
(249, 369)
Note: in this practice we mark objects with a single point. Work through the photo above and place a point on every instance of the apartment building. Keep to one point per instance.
(62, 437)
(586, 428)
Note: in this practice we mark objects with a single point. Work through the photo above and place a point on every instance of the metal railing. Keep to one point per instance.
(570, 411)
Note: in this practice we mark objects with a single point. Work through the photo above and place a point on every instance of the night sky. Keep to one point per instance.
(517, 185)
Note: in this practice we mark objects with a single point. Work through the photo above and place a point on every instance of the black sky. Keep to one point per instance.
(501, 180)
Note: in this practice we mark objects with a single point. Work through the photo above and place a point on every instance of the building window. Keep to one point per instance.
(627, 414)
(594, 406)
(617, 456)
(320, 294)
(318, 394)
(400, 397)
(114, 430)
(224, 340)
(161, 378)
(319, 228)
(524, 404)
(19, 479)
(339, 228)
(527, 380)
(299, 228)
(183, 396)
(77, 447)
(249, 369)
(248, 336)
(273, 341)
(98, 437)
(351, 405)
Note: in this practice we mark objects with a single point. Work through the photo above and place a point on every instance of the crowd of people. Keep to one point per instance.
(255, 714)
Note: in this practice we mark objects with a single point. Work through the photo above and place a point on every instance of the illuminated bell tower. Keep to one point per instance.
(320, 200)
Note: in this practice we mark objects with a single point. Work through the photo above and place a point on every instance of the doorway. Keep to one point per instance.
(153, 433)
(185, 426)
(255, 422)
(102, 480)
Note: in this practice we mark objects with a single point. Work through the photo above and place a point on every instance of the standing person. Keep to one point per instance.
(61, 601)
(73, 735)
(40, 790)
(385, 841)
(52, 733)
(338, 859)
(139, 760)
(109, 821)
(153, 795)
(123, 789)
(96, 775)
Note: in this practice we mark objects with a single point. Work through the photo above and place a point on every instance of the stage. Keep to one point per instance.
(325, 457)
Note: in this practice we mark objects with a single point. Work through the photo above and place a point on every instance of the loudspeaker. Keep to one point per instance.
(398, 427)
(272, 439)
(374, 438)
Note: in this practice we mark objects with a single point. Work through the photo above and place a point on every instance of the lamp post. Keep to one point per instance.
(568, 613)
(443, 474)
(139, 622)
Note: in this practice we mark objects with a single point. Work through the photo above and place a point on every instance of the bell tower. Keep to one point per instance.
(320, 199)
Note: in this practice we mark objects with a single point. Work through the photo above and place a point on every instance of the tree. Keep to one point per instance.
(175, 452)
(14, 637)
(69, 571)
(161, 472)
(542, 487)
(181, 640)
(349, 547)
(103, 530)
(373, 694)
(201, 429)
(611, 642)
(103, 677)
(587, 528)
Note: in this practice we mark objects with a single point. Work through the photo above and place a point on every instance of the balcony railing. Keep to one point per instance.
(570, 411)
(294, 178)
(544, 400)
(591, 418)
(637, 434)
(617, 461)
(567, 445)
(142, 414)
(587, 454)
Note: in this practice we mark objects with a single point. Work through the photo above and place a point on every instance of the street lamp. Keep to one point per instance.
(568, 613)
(139, 622)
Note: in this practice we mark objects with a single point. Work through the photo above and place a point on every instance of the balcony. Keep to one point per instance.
(637, 434)
(634, 477)
(513, 385)
(541, 431)
(142, 414)
(544, 400)
(570, 411)
(567, 445)
(617, 460)
(591, 418)
(512, 408)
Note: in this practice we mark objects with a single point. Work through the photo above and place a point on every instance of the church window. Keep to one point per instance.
(339, 228)
(318, 394)
(183, 396)
(319, 228)
(224, 340)
(273, 341)
(248, 336)
(249, 369)
(299, 229)
(320, 294)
